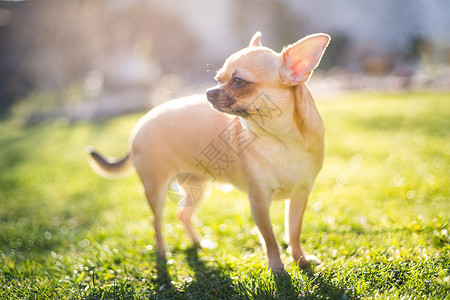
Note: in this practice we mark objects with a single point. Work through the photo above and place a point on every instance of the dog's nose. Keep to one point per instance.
(211, 93)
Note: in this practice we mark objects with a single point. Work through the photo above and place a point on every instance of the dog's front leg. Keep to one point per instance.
(260, 205)
(295, 209)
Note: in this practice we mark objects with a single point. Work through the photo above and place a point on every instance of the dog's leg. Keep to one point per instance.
(193, 196)
(185, 215)
(156, 199)
(294, 215)
(261, 215)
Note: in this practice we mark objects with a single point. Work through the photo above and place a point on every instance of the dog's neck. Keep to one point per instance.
(298, 123)
(306, 116)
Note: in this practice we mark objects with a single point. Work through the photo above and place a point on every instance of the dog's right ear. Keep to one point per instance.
(256, 40)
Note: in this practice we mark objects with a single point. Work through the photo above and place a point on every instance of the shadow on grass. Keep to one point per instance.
(163, 279)
(212, 282)
(322, 287)
(285, 288)
(209, 282)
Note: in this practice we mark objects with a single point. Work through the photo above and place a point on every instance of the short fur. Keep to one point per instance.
(276, 147)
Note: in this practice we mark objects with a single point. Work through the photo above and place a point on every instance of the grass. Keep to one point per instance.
(378, 216)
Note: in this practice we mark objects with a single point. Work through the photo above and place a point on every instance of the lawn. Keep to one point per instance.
(378, 215)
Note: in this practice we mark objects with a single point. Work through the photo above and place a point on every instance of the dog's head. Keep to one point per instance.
(257, 81)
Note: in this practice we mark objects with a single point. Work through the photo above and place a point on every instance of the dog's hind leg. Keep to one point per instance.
(185, 215)
(186, 211)
(156, 199)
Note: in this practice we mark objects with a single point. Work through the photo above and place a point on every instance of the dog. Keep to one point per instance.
(258, 129)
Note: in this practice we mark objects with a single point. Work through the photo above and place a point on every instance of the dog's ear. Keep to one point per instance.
(300, 59)
(256, 40)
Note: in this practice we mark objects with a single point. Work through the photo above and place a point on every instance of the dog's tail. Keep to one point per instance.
(109, 167)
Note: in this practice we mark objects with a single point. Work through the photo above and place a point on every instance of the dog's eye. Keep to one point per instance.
(238, 82)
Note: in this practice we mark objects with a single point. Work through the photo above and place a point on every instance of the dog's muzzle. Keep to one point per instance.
(212, 94)
(220, 100)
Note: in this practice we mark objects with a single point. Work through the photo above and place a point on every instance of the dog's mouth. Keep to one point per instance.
(223, 102)
(229, 109)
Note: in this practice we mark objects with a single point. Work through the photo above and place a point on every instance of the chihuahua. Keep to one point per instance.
(258, 129)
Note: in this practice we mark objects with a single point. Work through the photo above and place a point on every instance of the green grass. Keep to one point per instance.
(378, 216)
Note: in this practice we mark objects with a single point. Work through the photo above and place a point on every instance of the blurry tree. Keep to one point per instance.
(52, 44)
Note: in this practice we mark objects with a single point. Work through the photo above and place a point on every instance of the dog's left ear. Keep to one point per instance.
(301, 58)
(256, 40)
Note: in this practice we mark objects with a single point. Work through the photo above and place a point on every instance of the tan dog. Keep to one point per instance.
(265, 136)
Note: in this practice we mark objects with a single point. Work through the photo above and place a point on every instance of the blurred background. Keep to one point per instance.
(83, 60)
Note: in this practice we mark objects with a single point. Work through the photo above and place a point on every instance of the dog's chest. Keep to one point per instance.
(292, 168)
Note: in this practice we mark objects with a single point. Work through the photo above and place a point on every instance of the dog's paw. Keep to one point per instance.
(162, 257)
(278, 270)
(308, 261)
(312, 259)
(196, 245)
